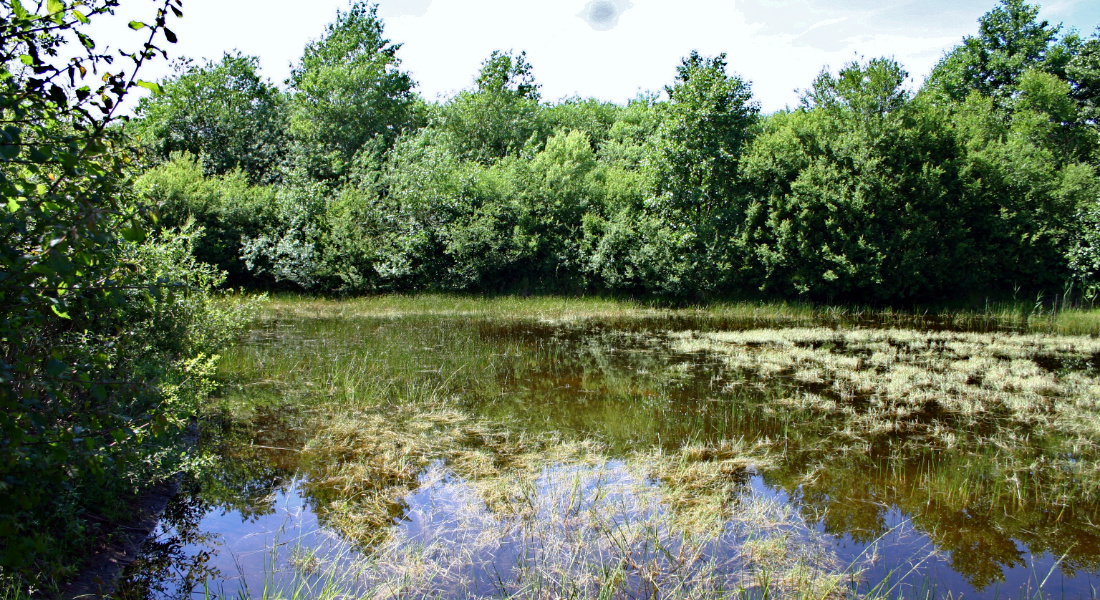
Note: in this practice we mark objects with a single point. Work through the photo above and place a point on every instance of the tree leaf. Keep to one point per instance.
(80, 16)
(171, 37)
(133, 234)
(20, 12)
(137, 25)
(55, 7)
(149, 85)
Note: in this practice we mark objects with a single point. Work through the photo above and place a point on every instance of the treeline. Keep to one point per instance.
(984, 181)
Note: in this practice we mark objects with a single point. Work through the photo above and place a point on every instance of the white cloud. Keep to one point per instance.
(778, 44)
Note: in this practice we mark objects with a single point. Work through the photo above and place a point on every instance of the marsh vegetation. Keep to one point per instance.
(543, 448)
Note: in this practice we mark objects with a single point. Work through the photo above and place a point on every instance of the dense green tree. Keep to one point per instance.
(223, 112)
(1083, 72)
(864, 93)
(1011, 39)
(709, 117)
(702, 131)
(587, 115)
(853, 193)
(630, 139)
(499, 116)
(1022, 185)
(347, 90)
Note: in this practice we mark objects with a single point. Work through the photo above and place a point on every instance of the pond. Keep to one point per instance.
(401, 455)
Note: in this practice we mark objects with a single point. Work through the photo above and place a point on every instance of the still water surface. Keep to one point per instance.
(888, 504)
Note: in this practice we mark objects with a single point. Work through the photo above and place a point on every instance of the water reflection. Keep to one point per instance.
(984, 520)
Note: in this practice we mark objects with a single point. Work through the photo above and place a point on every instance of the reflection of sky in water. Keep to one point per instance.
(449, 544)
(249, 553)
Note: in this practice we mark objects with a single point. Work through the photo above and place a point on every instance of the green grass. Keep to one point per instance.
(9, 590)
(1018, 316)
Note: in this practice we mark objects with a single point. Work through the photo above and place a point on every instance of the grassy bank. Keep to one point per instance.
(1011, 316)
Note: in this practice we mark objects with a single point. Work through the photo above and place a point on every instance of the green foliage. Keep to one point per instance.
(709, 118)
(1010, 41)
(499, 116)
(629, 141)
(850, 199)
(1083, 72)
(1021, 188)
(108, 334)
(871, 190)
(347, 90)
(587, 115)
(227, 210)
(222, 112)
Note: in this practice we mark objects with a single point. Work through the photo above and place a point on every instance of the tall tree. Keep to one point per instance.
(703, 129)
(223, 112)
(709, 117)
(347, 90)
(499, 115)
(851, 192)
(1083, 72)
(1011, 39)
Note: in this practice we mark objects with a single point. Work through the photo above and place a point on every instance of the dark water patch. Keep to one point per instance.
(1057, 363)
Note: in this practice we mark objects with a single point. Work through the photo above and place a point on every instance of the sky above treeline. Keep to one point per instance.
(607, 49)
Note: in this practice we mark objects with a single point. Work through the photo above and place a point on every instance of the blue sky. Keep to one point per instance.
(609, 49)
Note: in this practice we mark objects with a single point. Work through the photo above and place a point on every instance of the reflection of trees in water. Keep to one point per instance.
(253, 460)
(968, 503)
(986, 505)
(241, 478)
(168, 566)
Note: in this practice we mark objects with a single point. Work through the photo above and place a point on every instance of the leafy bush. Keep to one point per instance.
(227, 209)
(108, 336)
(222, 112)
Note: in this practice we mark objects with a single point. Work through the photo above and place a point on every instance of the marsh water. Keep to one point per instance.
(911, 515)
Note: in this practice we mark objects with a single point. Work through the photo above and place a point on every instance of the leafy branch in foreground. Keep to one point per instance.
(105, 335)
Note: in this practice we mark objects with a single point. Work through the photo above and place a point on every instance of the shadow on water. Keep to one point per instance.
(970, 517)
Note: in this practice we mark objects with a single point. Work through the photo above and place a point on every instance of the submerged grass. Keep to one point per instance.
(360, 465)
(486, 513)
(908, 381)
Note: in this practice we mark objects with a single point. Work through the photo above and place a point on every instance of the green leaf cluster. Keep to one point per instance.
(108, 330)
